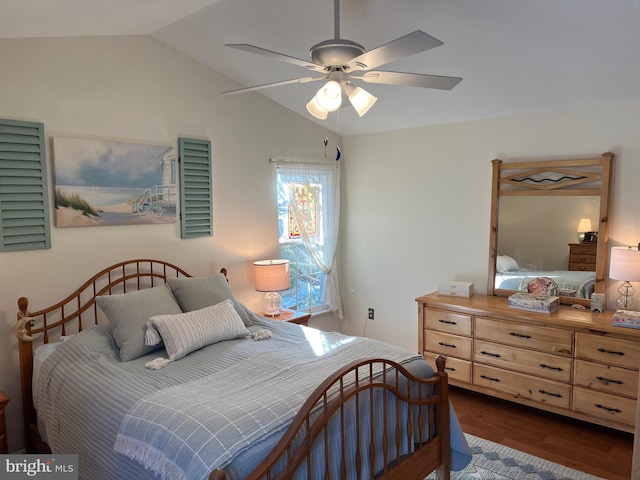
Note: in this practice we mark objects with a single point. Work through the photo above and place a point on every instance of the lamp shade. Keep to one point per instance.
(316, 110)
(329, 96)
(584, 225)
(361, 100)
(271, 275)
(624, 264)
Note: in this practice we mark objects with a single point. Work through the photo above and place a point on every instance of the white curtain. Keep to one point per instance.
(321, 248)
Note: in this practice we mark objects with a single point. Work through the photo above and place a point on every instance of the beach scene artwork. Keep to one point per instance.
(103, 182)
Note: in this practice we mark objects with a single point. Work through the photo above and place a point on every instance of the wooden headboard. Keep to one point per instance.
(76, 312)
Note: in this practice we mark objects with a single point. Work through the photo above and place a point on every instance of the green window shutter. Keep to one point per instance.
(196, 188)
(24, 198)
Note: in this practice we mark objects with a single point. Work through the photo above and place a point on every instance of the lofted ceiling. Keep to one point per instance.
(516, 56)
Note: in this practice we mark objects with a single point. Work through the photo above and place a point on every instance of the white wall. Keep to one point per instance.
(537, 231)
(136, 89)
(416, 204)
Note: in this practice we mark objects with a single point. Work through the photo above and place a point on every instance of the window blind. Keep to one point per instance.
(24, 198)
(196, 188)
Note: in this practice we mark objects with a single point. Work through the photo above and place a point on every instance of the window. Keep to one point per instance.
(308, 195)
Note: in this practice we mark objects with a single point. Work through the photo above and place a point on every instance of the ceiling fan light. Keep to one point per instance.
(329, 96)
(315, 109)
(361, 100)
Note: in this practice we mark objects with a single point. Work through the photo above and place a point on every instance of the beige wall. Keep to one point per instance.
(417, 204)
(134, 88)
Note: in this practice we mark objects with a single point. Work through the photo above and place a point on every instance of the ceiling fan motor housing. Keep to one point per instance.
(335, 53)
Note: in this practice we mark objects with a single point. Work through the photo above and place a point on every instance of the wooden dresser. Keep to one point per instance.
(571, 362)
(582, 257)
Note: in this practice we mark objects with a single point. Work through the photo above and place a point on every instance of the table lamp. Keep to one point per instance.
(624, 265)
(583, 227)
(271, 276)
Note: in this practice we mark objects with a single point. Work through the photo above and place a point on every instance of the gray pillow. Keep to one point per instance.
(194, 293)
(128, 314)
(186, 332)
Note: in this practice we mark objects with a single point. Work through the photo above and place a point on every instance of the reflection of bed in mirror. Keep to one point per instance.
(536, 208)
(510, 276)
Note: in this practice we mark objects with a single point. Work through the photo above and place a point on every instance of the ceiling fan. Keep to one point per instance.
(340, 61)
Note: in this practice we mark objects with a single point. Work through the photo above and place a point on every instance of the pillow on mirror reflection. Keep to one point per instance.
(543, 287)
(505, 263)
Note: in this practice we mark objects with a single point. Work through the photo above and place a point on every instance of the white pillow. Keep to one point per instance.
(504, 263)
(187, 332)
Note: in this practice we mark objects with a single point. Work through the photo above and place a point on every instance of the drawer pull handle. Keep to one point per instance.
(607, 381)
(519, 335)
(450, 369)
(496, 355)
(442, 344)
(557, 369)
(608, 409)
(604, 350)
(544, 392)
(490, 378)
(448, 322)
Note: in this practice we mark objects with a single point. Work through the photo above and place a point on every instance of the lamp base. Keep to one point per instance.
(625, 300)
(271, 304)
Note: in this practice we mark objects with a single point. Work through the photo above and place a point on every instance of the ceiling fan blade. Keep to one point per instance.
(277, 56)
(275, 84)
(410, 79)
(410, 44)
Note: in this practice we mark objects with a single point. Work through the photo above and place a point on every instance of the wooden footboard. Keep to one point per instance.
(425, 429)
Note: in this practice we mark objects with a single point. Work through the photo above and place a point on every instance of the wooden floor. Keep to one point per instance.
(592, 449)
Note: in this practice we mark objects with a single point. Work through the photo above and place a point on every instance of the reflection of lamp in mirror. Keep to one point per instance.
(271, 276)
(584, 228)
(624, 265)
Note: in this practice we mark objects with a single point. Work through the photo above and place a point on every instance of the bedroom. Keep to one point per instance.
(77, 86)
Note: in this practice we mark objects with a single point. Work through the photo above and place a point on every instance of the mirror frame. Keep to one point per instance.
(584, 177)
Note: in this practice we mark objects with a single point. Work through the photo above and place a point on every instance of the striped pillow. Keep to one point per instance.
(187, 332)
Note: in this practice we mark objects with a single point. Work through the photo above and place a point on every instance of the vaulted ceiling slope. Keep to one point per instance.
(515, 56)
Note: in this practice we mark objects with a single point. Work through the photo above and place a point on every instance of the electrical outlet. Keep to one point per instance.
(371, 314)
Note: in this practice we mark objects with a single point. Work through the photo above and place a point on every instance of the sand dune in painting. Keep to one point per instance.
(112, 214)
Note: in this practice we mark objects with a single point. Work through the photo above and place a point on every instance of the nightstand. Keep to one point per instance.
(582, 257)
(291, 316)
(4, 447)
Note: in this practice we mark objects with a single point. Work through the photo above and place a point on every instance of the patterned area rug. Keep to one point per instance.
(492, 461)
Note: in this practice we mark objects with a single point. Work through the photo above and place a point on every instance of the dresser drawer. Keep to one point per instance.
(449, 345)
(456, 369)
(619, 381)
(582, 249)
(455, 323)
(546, 339)
(523, 386)
(603, 405)
(613, 351)
(581, 258)
(545, 365)
(582, 267)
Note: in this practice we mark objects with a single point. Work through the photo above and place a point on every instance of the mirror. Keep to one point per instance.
(536, 211)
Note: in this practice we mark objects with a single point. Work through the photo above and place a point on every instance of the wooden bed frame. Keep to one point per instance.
(351, 383)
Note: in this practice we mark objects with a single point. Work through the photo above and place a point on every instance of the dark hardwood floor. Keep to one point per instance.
(589, 448)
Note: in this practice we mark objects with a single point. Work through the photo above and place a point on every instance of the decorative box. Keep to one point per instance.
(532, 303)
(626, 318)
(455, 289)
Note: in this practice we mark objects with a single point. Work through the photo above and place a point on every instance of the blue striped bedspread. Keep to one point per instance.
(223, 406)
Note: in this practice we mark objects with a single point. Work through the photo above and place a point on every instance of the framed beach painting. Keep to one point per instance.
(103, 182)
